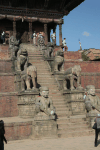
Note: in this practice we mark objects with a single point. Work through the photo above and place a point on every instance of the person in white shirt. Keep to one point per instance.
(3, 37)
(34, 38)
(53, 37)
(64, 44)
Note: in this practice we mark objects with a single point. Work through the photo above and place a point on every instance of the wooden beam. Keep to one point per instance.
(46, 3)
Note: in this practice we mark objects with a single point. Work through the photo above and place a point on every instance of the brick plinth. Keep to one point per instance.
(7, 82)
(4, 52)
(18, 130)
(6, 66)
(72, 55)
(8, 105)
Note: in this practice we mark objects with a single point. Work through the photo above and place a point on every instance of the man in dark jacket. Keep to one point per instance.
(2, 137)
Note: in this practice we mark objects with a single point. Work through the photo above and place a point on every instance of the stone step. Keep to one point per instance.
(64, 134)
(72, 128)
(64, 125)
(70, 120)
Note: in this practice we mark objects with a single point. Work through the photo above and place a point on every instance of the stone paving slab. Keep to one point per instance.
(73, 143)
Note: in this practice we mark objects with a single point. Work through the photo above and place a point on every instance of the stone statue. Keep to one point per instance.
(31, 75)
(92, 101)
(49, 50)
(40, 41)
(44, 103)
(58, 60)
(13, 46)
(22, 59)
(70, 75)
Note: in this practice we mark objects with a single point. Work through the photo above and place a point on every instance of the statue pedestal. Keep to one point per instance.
(74, 101)
(26, 103)
(44, 126)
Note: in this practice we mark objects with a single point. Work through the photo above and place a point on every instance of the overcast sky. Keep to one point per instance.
(82, 23)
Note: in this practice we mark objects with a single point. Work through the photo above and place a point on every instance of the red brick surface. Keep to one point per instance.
(4, 51)
(5, 66)
(15, 131)
(88, 66)
(72, 55)
(7, 83)
(89, 71)
(8, 106)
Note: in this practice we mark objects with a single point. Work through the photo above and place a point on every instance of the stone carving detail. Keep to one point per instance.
(70, 76)
(40, 41)
(49, 50)
(92, 101)
(28, 80)
(13, 46)
(58, 60)
(44, 103)
(22, 59)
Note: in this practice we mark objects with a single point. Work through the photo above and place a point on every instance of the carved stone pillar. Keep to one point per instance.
(30, 32)
(46, 34)
(14, 28)
(54, 30)
(60, 34)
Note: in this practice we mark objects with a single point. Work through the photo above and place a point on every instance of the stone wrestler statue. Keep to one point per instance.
(44, 103)
(92, 101)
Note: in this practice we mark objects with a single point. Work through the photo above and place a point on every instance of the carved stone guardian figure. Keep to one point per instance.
(28, 80)
(70, 76)
(22, 59)
(92, 104)
(13, 46)
(92, 101)
(59, 60)
(44, 103)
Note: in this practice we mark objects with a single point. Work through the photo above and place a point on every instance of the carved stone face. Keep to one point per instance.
(92, 91)
(44, 94)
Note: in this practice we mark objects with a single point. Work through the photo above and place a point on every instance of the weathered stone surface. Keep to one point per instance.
(44, 126)
(26, 103)
(92, 103)
(13, 47)
(70, 76)
(59, 60)
(44, 103)
(74, 101)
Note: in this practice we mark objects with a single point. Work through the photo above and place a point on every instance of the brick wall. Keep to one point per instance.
(8, 105)
(86, 66)
(5, 66)
(19, 130)
(72, 55)
(90, 72)
(7, 83)
(4, 52)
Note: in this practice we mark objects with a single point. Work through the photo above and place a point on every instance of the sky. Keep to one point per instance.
(82, 23)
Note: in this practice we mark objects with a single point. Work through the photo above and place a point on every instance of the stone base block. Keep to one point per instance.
(26, 103)
(74, 101)
(44, 127)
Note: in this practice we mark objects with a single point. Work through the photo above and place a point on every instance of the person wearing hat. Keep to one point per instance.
(97, 128)
(44, 103)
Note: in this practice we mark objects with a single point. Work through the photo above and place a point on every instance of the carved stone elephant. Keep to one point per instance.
(13, 46)
(31, 75)
(72, 74)
(22, 59)
(58, 60)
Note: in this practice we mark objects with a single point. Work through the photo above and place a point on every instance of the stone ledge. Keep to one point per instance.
(9, 94)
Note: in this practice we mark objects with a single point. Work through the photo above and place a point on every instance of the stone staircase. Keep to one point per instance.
(67, 127)
(18, 128)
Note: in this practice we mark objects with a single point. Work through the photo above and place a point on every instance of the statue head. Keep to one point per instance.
(90, 90)
(44, 91)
